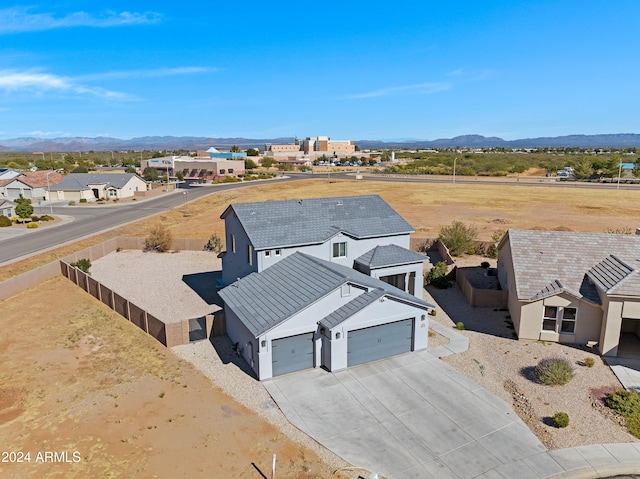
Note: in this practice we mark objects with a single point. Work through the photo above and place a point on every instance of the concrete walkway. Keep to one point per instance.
(414, 416)
(627, 370)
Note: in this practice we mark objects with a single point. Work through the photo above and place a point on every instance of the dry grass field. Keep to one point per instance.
(74, 376)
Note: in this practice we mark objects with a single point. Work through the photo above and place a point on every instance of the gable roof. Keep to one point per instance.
(274, 224)
(81, 181)
(264, 300)
(37, 179)
(546, 263)
(390, 255)
(4, 203)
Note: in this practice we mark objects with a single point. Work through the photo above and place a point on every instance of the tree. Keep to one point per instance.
(459, 238)
(80, 169)
(253, 152)
(130, 169)
(180, 176)
(583, 168)
(151, 174)
(250, 164)
(268, 162)
(24, 209)
(235, 149)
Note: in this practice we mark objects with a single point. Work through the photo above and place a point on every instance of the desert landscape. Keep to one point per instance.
(77, 378)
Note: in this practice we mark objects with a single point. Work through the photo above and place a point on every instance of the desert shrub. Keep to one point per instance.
(82, 200)
(83, 265)
(589, 362)
(438, 276)
(5, 221)
(159, 239)
(71, 203)
(214, 244)
(35, 218)
(460, 326)
(492, 250)
(624, 402)
(553, 371)
(32, 224)
(485, 265)
(46, 218)
(459, 238)
(560, 419)
(432, 312)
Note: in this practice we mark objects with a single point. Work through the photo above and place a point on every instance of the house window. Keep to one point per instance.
(230, 170)
(267, 254)
(277, 253)
(250, 252)
(222, 172)
(550, 318)
(568, 324)
(233, 243)
(340, 250)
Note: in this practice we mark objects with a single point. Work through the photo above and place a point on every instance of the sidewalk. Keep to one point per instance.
(13, 231)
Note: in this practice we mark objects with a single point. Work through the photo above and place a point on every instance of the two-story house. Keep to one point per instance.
(321, 282)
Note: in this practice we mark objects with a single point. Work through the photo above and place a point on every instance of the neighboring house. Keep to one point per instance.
(7, 208)
(92, 186)
(321, 282)
(569, 287)
(30, 184)
(7, 174)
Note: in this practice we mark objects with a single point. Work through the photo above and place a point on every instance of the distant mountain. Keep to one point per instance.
(619, 140)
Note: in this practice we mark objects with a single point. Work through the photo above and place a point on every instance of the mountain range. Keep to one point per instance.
(618, 140)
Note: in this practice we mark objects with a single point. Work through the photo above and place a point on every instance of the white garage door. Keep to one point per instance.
(377, 342)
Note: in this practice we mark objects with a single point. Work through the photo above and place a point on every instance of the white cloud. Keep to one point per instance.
(158, 72)
(11, 80)
(21, 19)
(417, 89)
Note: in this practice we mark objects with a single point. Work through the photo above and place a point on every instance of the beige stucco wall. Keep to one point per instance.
(610, 330)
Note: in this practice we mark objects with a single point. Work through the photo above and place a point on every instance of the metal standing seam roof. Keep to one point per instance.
(81, 181)
(357, 304)
(549, 262)
(264, 300)
(274, 224)
(390, 255)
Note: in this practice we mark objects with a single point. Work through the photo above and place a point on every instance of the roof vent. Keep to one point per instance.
(339, 203)
(300, 202)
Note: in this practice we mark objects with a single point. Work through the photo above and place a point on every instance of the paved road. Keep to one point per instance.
(92, 220)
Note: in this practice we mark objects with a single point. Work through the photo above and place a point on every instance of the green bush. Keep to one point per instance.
(624, 402)
(5, 221)
(71, 203)
(83, 200)
(459, 238)
(32, 224)
(46, 218)
(432, 312)
(159, 239)
(214, 244)
(560, 419)
(460, 326)
(438, 276)
(35, 218)
(553, 371)
(485, 265)
(83, 265)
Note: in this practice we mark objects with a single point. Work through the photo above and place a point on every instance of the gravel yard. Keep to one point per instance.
(171, 286)
(503, 365)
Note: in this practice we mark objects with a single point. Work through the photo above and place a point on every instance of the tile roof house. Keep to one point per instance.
(92, 186)
(572, 287)
(30, 184)
(321, 282)
(7, 208)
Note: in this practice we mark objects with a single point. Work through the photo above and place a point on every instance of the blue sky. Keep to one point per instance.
(350, 70)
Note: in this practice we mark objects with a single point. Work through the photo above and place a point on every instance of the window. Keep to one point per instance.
(568, 324)
(267, 254)
(112, 193)
(340, 250)
(277, 252)
(550, 318)
(250, 252)
(233, 243)
(230, 170)
(222, 172)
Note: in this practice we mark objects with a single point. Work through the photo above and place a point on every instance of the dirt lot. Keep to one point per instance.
(76, 377)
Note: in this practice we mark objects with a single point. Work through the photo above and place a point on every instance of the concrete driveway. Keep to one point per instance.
(410, 416)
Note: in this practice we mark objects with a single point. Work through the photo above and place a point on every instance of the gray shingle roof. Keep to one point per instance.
(81, 181)
(390, 255)
(547, 262)
(298, 222)
(345, 312)
(264, 300)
